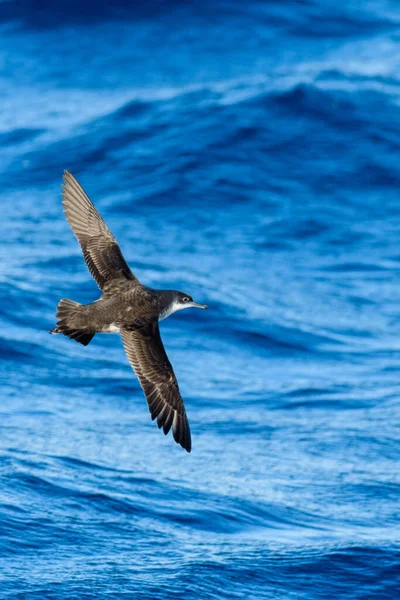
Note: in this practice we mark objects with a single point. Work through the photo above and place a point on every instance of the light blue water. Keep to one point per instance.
(247, 154)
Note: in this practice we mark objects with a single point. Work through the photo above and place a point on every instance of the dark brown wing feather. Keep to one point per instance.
(100, 249)
(146, 353)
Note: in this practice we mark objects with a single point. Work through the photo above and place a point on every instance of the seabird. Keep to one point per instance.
(126, 307)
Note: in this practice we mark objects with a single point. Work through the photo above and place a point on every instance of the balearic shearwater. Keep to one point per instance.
(126, 307)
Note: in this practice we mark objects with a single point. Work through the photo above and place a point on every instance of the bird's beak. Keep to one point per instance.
(197, 305)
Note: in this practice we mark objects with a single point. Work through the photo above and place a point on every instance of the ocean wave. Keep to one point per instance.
(259, 174)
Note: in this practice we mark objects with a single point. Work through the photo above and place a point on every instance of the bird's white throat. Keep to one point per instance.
(172, 308)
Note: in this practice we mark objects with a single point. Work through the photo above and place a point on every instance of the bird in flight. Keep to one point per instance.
(126, 307)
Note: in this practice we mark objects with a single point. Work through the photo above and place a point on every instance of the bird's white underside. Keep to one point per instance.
(111, 329)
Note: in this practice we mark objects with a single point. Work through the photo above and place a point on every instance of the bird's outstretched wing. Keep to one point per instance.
(146, 353)
(99, 247)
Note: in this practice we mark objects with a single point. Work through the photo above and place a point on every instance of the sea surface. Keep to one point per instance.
(247, 153)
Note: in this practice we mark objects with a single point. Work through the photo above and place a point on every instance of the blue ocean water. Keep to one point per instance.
(248, 154)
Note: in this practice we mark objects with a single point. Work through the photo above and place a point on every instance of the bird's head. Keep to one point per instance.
(179, 301)
(182, 300)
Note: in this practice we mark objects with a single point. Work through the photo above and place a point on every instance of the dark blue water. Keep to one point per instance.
(247, 153)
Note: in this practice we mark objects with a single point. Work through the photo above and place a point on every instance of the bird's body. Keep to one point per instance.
(126, 307)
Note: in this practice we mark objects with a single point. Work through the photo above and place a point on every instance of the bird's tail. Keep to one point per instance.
(69, 320)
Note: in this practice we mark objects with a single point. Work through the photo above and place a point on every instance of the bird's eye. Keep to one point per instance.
(185, 299)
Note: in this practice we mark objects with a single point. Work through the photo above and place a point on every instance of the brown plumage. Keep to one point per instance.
(126, 307)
